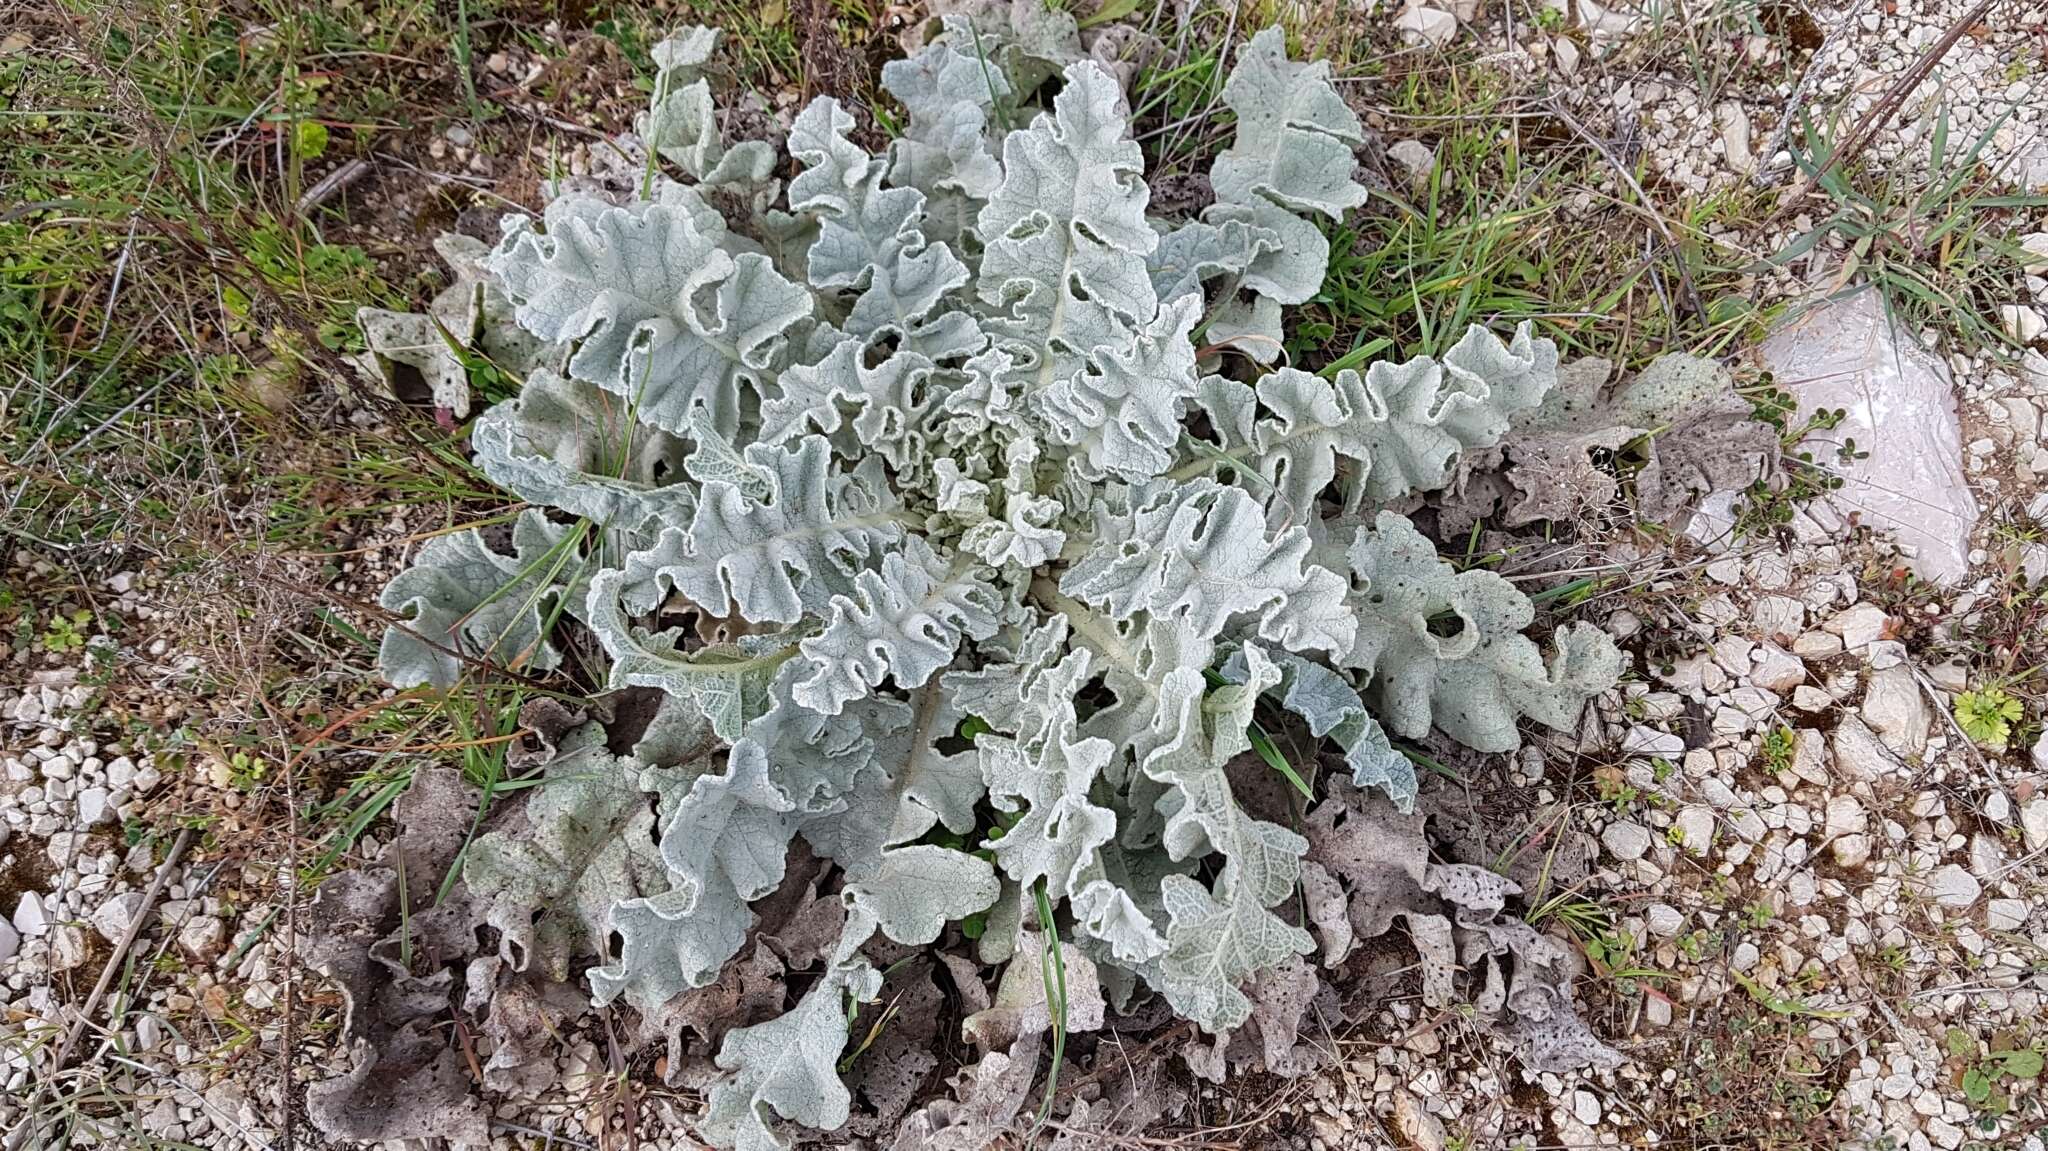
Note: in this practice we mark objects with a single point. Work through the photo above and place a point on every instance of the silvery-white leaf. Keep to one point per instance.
(728, 682)
(682, 128)
(715, 460)
(1063, 270)
(1123, 413)
(778, 559)
(788, 1066)
(1292, 153)
(920, 888)
(461, 595)
(1332, 709)
(1119, 905)
(1219, 937)
(1046, 773)
(904, 620)
(662, 316)
(1249, 326)
(1028, 41)
(1201, 551)
(681, 124)
(1475, 677)
(942, 151)
(684, 51)
(1200, 251)
(871, 242)
(572, 446)
(858, 408)
(724, 846)
(587, 843)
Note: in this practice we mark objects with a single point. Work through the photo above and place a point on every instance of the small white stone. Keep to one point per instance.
(2006, 914)
(1566, 54)
(1626, 841)
(1778, 617)
(1801, 889)
(203, 938)
(1586, 1108)
(2034, 822)
(1851, 850)
(1775, 669)
(1420, 25)
(1809, 698)
(114, 916)
(1817, 645)
(1734, 125)
(1952, 885)
(2022, 322)
(1745, 957)
(1696, 828)
(1664, 920)
(1416, 158)
(29, 916)
(1860, 625)
(67, 947)
(93, 807)
(2036, 247)
(1845, 816)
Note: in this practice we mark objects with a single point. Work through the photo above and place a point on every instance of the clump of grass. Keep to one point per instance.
(1943, 252)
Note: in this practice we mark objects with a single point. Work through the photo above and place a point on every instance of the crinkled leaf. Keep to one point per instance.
(1402, 427)
(1063, 270)
(1046, 772)
(1219, 937)
(943, 151)
(1294, 134)
(920, 888)
(871, 243)
(1291, 155)
(1123, 414)
(1200, 551)
(788, 1066)
(661, 315)
(587, 842)
(724, 846)
(727, 682)
(462, 595)
(682, 125)
(904, 620)
(1332, 710)
(776, 559)
(570, 445)
(1473, 674)
(858, 408)
(1198, 251)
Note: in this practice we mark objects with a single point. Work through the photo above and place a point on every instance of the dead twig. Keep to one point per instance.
(331, 184)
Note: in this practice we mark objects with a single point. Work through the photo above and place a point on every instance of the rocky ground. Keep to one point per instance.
(1819, 912)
